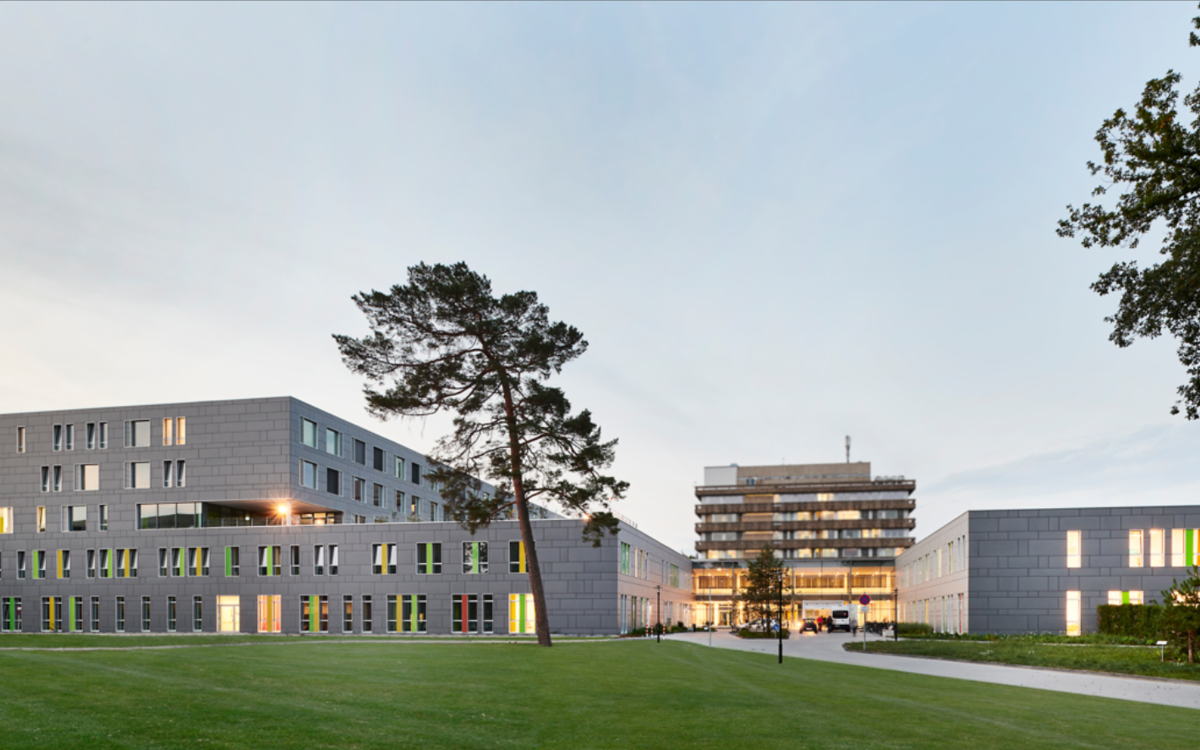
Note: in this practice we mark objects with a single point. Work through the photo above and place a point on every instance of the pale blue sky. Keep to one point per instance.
(777, 224)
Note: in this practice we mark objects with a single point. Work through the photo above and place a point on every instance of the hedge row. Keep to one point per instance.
(1144, 621)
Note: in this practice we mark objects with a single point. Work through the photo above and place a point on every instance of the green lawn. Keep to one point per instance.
(389, 694)
(1031, 652)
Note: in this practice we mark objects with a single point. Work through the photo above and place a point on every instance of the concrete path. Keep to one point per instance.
(828, 647)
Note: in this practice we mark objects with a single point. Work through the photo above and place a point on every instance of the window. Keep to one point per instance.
(198, 561)
(333, 442)
(181, 473)
(333, 481)
(429, 558)
(87, 477)
(318, 560)
(41, 519)
(268, 561)
(57, 437)
(377, 495)
(103, 430)
(347, 614)
(475, 557)
(1157, 548)
(366, 614)
(1135, 548)
(1074, 553)
(127, 563)
(378, 455)
(1073, 613)
(399, 501)
(95, 615)
(308, 432)
(75, 614)
(308, 474)
(172, 614)
(164, 563)
(178, 562)
(521, 617)
(20, 564)
(104, 518)
(168, 473)
(174, 431)
(398, 468)
(10, 614)
(1125, 597)
(1185, 547)
(314, 614)
(333, 559)
(197, 613)
(52, 613)
(120, 614)
(233, 561)
(383, 559)
(414, 507)
(20, 440)
(416, 474)
(145, 614)
(137, 475)
(70, 437)
(626, 558)
(75, 518)
(137, 433)
(406, 613)
(57, 475)
(90, 435)
(360, 452)
(45, 479)
(269, 613)
(435, 512)
(360, 490)
(472, 613)
(63, 566)
(91, 563)
(106, 563)
(294, 559)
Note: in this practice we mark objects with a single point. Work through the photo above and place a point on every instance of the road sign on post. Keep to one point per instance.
(864, 600)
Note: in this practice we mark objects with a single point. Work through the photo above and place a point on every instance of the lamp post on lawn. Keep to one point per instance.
(780, 620)
(896, 620)
(658, 613)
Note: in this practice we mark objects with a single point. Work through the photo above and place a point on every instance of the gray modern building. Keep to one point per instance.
(269, 515)
(1027, 571)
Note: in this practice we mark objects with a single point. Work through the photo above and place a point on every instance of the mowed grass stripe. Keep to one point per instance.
(615, 695)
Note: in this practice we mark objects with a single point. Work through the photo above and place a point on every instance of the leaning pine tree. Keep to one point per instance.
(445, 343)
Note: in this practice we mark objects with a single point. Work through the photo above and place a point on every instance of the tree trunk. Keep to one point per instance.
(541, 617)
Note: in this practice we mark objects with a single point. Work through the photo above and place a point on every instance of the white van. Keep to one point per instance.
(839, 620)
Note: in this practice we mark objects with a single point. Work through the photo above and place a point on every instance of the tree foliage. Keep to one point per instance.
(1153, 154)
(1181, 613)
(444, 342)
(761, 593)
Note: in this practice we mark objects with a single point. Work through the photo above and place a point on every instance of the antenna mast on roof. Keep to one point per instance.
(847, 449)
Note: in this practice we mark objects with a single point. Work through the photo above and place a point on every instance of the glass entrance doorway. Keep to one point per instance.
(229, 614)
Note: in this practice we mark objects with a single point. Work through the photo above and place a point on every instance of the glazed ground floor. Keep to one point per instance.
(809, 591)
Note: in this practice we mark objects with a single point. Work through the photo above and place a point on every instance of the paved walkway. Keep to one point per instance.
(828, 647)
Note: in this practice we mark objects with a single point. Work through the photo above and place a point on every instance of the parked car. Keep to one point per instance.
(810, 625)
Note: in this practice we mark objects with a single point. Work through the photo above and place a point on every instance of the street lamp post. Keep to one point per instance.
(896, 620)
(780, 620)
(658, 613)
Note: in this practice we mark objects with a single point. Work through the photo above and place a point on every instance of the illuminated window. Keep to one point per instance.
(1073, 613)
(1074, 551)
(174, 431)
(521, 617)
(1135, 548)
(269, 608)
(1157, 548)
(1185, 547)
(168, 431)
(1125, 597)
(41, 518)
(6, 522)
